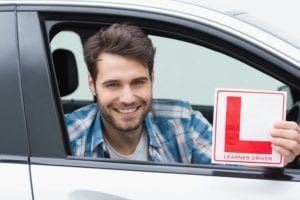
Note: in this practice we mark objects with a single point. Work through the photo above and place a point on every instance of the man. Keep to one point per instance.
(126, 123)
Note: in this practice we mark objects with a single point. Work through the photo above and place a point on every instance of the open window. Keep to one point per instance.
(189, 64)
(179, 63)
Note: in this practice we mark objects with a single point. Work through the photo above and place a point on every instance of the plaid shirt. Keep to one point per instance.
(176, 133)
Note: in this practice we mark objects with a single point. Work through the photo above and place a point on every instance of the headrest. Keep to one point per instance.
(294, 113)
(66, 71)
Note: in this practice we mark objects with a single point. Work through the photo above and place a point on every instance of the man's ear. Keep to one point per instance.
(91, 85)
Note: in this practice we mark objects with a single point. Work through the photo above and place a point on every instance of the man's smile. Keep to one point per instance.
(127, 110)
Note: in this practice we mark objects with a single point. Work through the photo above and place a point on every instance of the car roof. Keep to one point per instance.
(279, 18)
(229, 19)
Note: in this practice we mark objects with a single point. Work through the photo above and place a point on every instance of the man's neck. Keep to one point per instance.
(125, 142)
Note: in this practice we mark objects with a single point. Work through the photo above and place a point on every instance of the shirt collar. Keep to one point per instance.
(96, 131)
(152, 130)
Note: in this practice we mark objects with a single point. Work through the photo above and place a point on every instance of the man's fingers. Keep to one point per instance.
(288, 156)
(286, 133)
(287, 125)
(287, 144)
(286, 139)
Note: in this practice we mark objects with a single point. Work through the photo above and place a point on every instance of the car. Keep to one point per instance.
(43, 76)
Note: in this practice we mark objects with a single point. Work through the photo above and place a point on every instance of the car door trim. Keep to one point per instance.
(13, 159)
(174, 168)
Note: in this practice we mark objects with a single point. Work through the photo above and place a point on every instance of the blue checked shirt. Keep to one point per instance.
(176, 133)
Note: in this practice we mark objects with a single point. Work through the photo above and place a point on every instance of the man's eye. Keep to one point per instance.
(139, 82)
(113, 85)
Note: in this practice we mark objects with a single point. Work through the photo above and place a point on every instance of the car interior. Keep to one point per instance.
(67, 79)
(66, 71)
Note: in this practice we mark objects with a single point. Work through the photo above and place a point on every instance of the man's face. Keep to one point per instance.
(124, 91)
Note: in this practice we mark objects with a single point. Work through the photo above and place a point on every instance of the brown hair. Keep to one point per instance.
(119, 39)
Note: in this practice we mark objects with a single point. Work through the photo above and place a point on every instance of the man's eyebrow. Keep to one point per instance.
(143, 78)
(110, 81)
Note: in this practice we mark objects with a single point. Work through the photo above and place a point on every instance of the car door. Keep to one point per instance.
(14, 165)
(56, 174)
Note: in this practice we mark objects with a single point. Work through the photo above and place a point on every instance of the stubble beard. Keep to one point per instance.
(112, 121)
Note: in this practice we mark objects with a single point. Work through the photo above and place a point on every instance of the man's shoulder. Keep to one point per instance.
(171, 108)
(79, 121)
(82, 113)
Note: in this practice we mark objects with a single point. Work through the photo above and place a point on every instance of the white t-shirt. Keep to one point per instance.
(140, 153)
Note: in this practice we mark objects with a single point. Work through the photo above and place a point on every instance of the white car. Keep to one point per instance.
(43, 76)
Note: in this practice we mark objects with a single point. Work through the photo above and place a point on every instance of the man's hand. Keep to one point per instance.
(286, 140)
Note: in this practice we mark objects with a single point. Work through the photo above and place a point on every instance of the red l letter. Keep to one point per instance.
(232, 132)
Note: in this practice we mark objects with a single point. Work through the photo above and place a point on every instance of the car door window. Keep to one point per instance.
(183, 69)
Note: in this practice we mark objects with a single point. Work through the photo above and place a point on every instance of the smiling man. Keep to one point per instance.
(127, 123)
(123, 88)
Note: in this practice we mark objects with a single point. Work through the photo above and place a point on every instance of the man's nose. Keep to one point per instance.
(127, 95)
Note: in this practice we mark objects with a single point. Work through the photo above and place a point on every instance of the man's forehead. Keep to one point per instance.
(111, 62)
(120, 68)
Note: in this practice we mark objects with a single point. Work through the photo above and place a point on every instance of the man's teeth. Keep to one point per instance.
(126, 110)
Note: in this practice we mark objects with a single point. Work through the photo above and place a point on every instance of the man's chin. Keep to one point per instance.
(127, 128)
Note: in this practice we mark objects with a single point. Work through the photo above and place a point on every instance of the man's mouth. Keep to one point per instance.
(126, 110)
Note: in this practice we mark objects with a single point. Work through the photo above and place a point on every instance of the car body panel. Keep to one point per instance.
(15, 181)
(107, 184)
(11, 107)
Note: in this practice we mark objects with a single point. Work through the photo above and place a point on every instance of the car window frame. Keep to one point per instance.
(12, 116)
